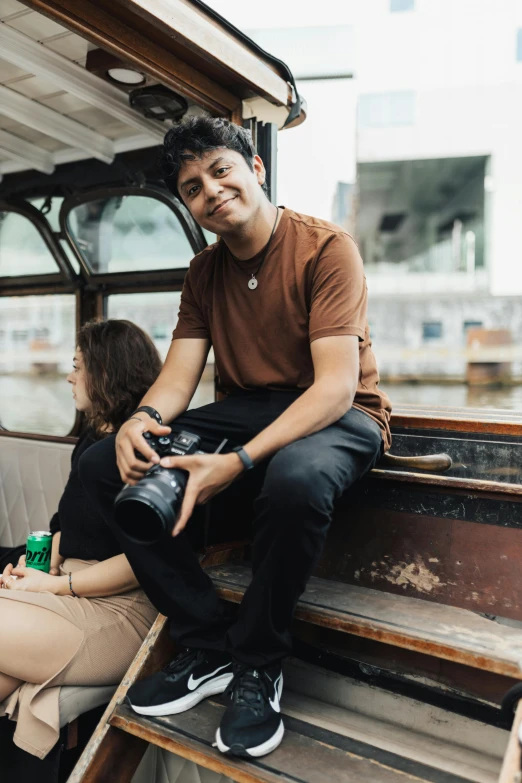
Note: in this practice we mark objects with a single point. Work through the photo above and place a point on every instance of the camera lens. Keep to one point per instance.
(146, 512)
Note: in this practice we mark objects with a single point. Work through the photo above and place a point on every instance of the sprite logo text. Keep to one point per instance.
(39, 558)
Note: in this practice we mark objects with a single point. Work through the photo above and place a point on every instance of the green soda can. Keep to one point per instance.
(38, 551)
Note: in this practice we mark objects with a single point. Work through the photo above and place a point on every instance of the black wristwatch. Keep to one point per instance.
(243, 456)
(152, 412)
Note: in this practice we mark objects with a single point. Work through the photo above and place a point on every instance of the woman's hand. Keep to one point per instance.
(8, 570)
(31, 580)
(130, 440)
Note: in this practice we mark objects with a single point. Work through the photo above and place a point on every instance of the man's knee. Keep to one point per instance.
(297, 482)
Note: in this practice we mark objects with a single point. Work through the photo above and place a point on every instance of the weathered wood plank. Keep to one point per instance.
(442, 631)
(309, 756)
(422, 555)
(511, 768)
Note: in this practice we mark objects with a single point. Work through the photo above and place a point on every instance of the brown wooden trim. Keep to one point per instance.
(140, 280)
(35, 287)
(205, 37)
(488, 427)
(510, 772)
(98, 25)
(35, 436)
(472, 486)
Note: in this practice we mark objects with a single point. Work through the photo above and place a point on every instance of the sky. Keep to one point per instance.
(313, 157)
(290, 13)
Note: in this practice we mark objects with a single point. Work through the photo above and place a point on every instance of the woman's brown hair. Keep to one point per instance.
(121, 364)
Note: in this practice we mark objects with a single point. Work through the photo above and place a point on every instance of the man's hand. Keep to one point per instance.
(130, 439)
(208, 475)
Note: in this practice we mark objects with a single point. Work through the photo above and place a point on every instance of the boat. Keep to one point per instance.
(407, 660)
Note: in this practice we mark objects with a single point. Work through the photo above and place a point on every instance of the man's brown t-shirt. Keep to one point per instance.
(311, 285)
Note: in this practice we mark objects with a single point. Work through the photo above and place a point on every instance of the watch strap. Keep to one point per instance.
(152, 412)
(243, 456)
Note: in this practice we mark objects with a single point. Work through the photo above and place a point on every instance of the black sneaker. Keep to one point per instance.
(188, 679)
(252, 725)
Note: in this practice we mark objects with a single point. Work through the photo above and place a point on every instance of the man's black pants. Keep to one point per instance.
(294, 495)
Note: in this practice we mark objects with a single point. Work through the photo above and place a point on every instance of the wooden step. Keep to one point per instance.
(308, 754)
(430, 628)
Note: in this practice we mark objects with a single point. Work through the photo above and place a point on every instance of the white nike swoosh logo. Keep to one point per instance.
(192, 684)
(275, 703)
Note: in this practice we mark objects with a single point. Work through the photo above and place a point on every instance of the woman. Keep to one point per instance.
(82, 623)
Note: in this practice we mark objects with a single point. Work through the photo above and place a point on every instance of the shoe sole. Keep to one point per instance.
(260, 750)
(210, 688)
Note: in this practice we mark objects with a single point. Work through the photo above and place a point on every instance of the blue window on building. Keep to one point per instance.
(387, 109)
(472, 325)
(519, 44)
(432, 330)
(401, 5)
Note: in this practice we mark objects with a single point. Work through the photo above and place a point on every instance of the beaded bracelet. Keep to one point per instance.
(70, 586)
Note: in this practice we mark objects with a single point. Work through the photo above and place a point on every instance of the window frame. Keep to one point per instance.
(64, 280)
(144, 280)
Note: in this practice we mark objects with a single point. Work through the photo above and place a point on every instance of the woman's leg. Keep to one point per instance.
(8, 685)
(36, 644)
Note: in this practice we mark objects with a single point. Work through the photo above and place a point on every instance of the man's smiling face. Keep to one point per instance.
(221, 190)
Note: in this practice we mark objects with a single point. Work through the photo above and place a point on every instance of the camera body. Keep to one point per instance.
(147, 512)
(175, 444)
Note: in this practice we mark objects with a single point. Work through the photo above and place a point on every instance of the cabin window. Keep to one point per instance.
(36, 353)
(128, 233)
(23, 250)
(157, 314)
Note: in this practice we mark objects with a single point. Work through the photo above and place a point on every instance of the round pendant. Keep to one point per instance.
(252, 283)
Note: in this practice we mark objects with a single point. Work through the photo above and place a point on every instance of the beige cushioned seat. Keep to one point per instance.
(77, 699)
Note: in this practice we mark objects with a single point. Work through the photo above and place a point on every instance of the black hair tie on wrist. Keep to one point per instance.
(152, 412)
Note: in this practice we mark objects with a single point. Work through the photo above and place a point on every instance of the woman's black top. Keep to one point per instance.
(85, 534)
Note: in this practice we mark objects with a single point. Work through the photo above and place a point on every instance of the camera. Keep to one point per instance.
(146, 512)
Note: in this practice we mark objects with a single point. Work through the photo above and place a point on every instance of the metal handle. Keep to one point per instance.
(431, 462)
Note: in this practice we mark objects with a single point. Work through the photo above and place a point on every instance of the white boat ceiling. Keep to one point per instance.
(52, 110)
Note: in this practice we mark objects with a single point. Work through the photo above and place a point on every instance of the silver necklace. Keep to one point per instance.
(252, 283)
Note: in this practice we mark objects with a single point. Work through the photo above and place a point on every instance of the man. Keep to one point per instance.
(282, 299)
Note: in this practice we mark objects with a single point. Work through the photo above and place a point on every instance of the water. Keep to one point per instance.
(44, 405)
(455, 395)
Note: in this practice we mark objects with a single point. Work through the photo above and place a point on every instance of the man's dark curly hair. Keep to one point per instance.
(196, 136)
(121, 364)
